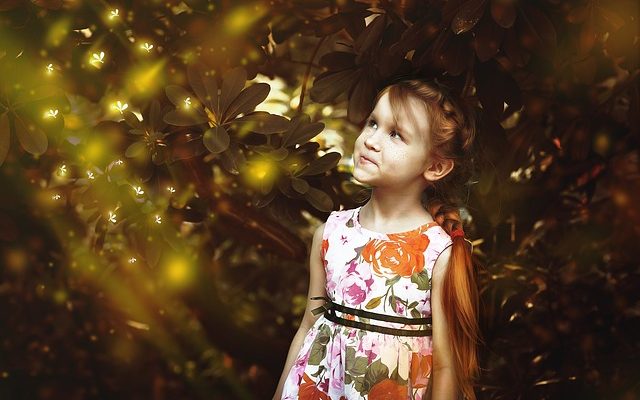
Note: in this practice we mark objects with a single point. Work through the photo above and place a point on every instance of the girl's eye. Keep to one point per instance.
(372, 122)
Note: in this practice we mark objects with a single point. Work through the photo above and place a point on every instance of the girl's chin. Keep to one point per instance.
(362, 178)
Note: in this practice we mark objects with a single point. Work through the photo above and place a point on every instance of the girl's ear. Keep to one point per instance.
(438, 169)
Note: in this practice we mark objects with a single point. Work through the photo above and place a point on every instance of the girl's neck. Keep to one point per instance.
(393, 212)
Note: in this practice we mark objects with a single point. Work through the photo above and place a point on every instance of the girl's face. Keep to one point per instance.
(397, 154)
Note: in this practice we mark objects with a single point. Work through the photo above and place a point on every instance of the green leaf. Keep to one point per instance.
(359, 384)
(216, 139)
(263, 122)
(359, 367)
(30, 136)
(322, 164)
(373, 303)
(350, 357)
(318, 351)
(422, 280)
(347, 379)
(376, 372)
(319, 199)
(320, 370)
(393, 280)
(247, 100)
(415, 313)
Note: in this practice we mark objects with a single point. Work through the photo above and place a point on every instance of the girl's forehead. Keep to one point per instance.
(411, 118)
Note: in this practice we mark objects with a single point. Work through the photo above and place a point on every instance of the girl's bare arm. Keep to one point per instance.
(317, 282)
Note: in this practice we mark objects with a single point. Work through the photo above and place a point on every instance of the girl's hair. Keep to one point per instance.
(452, 130)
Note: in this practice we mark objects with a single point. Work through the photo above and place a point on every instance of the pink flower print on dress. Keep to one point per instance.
(370, 346)
(356, 283)
(335, 365)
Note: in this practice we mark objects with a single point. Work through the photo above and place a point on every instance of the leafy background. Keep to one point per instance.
(164, 165)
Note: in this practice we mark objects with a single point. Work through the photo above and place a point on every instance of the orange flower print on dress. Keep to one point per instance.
(402, 254)
(420, 369)
(324, 248)
(309, 390)
(388, 389)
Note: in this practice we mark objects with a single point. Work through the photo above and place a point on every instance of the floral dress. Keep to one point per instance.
(381, 273)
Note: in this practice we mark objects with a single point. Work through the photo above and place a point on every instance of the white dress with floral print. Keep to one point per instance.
(382, 273)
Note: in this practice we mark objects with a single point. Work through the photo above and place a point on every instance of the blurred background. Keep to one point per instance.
(165, 163)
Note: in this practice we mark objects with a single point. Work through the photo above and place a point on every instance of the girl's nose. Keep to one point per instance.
(372, 140)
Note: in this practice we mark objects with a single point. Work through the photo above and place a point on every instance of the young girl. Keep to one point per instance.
(393, 303)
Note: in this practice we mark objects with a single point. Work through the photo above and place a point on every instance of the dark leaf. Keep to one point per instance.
(299, 185)
(135, 150)
(338, 60)
(330, 25)
(233, 159)
(232, 84)
(536, 32)
(319, 199)
(361, 99)
(248, 99)
(504, 13)
(513, 50)
(488, 39)
(181, 117)
(155, 114)
(456, 55)
(133, 121)
(301, 130)
(285, 25)
(468, 16)
(177, 95)
(371, 35)
(216, 139)
(263, 122)
(30, 136)
(328, 85)
(495, 87)
(322, 164)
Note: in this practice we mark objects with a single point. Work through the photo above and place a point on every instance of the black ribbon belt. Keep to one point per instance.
(329, 309)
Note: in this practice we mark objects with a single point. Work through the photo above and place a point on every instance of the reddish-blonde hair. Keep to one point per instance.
(452, 130)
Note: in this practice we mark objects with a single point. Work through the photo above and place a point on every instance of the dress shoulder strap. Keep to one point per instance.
(335, 220)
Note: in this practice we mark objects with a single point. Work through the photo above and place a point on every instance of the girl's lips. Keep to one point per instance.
(365, 160)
